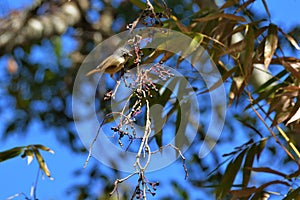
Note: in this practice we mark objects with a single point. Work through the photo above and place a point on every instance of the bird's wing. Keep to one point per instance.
(112, 60)
(93, 72)
(102, 66)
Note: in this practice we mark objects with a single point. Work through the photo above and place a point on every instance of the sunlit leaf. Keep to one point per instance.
(295, 116)
(291, 39)
(273, 80)
(29, 154)
(44, 148)
(42, 163)
(182, 28)
(291, 69)
(271, 44)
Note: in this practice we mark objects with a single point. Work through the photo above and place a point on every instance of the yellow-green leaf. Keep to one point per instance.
(29, 154)
(42, 163)
(44, 148)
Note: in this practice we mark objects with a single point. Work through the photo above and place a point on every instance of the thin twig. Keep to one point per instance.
(288, 140)
(269, 129)
(35, 184)
(94, 140)
(116, 89)
(180, 153)
(120, 181)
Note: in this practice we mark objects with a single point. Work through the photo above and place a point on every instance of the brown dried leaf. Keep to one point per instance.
(288, 66)
(267, 170)
(247, 64)
(270, 44)
(221, 15)
(246, 192)
(235, 48)
(291, 39)
(243, 6)
(228, 4)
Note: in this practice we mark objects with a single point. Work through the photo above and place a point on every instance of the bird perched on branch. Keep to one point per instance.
(113, 63)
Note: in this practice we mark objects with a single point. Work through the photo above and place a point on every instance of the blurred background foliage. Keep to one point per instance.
(43, 43)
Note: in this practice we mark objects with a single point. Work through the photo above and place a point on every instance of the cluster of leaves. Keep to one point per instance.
(31, 152)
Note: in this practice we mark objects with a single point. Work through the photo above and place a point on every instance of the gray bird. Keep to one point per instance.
(113, 63)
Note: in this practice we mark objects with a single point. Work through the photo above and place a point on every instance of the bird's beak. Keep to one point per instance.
(130, 55)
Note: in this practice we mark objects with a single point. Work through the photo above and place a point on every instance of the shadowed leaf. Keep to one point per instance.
(248, 163)
(294, 194)
(11, 153)
(229, 175)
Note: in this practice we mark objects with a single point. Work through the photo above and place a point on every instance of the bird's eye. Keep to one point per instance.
(125, 53)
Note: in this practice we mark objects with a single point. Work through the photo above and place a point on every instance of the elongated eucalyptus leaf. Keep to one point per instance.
(229, 175)
(248, 163)
(270, 44)
(42, 163)
(11, 153)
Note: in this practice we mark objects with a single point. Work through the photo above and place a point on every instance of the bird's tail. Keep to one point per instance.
(93, 72)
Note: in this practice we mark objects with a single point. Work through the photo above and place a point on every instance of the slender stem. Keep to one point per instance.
(35, 184)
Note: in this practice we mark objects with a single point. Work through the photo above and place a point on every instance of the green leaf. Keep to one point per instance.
(248, 163)
(139, 4)
(182, 116)
(56, 41)
(11, 153)
(229, 176)
(260, 147)
(275, 78)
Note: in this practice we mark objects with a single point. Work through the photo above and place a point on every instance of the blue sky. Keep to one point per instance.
(17, 177)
